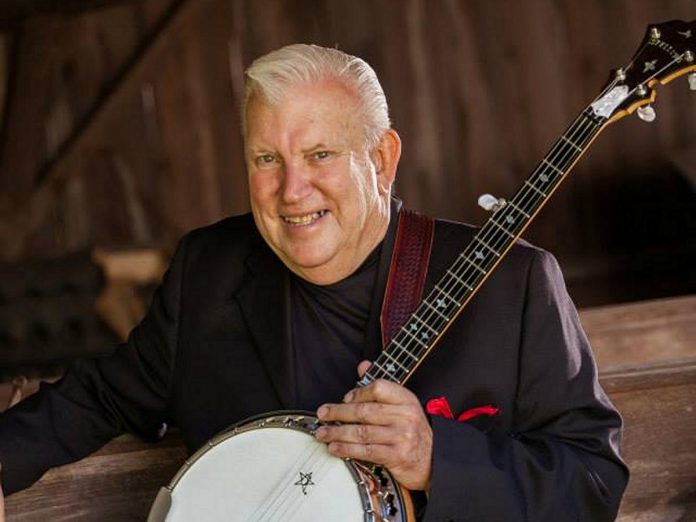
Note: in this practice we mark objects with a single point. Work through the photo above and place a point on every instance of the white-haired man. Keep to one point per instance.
(281, 309)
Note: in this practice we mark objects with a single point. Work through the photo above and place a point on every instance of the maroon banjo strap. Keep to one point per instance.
(407, 271)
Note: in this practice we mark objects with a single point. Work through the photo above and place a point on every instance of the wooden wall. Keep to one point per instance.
(119, 127)
(121, 124)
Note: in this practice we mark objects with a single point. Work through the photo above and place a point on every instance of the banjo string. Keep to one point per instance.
(296, 501)
(562, 156)
(278, 496)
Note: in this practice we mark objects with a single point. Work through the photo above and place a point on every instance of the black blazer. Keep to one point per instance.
(214, 348)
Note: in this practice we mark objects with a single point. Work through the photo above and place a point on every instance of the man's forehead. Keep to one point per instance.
(313, 115)
(305, 97)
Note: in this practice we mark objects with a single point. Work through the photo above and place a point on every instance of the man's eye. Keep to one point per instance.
(264, 159)
(322, 154)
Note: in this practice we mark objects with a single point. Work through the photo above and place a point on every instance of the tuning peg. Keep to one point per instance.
(692, 81)
(646, 113)
(491, 203)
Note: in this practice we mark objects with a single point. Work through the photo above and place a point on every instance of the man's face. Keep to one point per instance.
(316, 194)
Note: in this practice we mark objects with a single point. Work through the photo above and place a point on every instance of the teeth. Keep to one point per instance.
(303, 220)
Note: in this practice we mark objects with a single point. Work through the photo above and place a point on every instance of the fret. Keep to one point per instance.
(379, 368)
(544, 178)
(423, 342)
(489, 247)
(438, 312)
(446, 293)
(423, 323)
(468, 286)
(590, 118)
(471, 263)
(554, 167)
(526, 182)
(510, 220)
(366, 379)
(518, 209)
(501, 227)
(378, 371)
(402, 348)
(586, 117)
(572, 143)
(479, 256)
(593, 116)
(391, 365)
(441, 303)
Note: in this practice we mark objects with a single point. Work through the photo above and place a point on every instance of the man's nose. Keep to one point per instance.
(297, 183)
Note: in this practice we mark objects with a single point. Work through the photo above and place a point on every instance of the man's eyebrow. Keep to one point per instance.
(318, 146)
(257, 150)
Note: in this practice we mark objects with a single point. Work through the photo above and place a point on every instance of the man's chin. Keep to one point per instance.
(315, 269)
(308, 263)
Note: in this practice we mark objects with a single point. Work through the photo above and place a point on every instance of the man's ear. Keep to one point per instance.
(387, 155)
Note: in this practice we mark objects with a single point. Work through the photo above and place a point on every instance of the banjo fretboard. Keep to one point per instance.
(476, 262)
(666, 52)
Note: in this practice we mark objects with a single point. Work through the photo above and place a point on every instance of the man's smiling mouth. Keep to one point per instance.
(304, 220)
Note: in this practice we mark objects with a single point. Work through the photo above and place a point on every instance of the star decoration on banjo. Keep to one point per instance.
(305, 481)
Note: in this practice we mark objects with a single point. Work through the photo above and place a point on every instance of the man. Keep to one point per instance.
(277, 311)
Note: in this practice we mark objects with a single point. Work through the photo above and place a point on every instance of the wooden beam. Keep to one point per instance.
(4, 69)
(649, 333)
(110, 92)
(12, 12)
(28, 216)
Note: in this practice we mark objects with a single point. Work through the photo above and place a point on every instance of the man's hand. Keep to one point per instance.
(385, 424)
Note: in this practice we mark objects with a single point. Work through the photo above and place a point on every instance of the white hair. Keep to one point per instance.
(271, 75)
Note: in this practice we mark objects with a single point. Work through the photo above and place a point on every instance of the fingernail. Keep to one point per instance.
(348, 397)
(322, 411)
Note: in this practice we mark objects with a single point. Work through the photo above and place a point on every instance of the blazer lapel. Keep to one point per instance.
(264, 300)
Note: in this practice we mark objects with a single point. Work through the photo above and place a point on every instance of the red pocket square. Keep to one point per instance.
(440, 407)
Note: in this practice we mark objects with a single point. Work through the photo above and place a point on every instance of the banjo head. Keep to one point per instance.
(271, 468)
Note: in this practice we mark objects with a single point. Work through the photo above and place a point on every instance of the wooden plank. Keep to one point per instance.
(646, 353)
(647, 333)
(646, 377)
(659, 445)
(117, 483)
(120, 481)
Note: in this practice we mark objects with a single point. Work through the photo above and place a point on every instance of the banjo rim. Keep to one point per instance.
(386, 493)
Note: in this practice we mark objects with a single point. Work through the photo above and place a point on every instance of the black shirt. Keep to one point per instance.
(336, 326)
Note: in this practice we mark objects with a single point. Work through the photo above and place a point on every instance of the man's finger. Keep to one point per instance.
(363, 366)
(361, 413)
(377, 453)
(381, 391)
(356, 433)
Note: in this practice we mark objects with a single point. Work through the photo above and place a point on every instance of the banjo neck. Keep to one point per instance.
(666, 52)
(472, 266)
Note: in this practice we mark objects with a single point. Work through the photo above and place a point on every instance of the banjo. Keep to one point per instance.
(271, 467)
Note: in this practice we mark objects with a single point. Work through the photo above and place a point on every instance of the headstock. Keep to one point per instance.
(667, 51)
